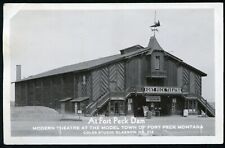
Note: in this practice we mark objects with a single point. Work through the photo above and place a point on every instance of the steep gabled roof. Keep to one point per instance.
(132, 51)
(185, 64)
(154, 44)
(87, 65)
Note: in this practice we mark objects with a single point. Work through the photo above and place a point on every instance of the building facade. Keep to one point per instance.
(137, 79)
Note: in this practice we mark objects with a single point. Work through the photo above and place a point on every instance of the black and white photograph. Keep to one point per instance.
(113, 73)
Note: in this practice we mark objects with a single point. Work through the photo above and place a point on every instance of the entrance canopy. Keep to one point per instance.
(117, 98)
(79, 99)
(190, 97)
(65, 99)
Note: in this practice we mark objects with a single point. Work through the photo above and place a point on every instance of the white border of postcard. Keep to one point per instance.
(10, 9)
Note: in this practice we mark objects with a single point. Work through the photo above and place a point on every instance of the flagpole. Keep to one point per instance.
(155, 25)
(154, 22)
(155, 17)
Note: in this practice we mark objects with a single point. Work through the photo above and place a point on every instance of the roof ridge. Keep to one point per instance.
(82, 65)
(154, 44)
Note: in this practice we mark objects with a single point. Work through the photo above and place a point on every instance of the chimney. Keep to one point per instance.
(18, 72)
(131, 49)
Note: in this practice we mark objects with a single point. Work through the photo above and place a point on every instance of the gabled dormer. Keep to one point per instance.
(156, 59)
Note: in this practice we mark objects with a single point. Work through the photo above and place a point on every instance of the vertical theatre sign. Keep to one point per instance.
(162, 90)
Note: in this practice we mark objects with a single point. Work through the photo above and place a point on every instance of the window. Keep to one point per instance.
(174, 105)
(84, 80)
(174, 100)
(157, 62)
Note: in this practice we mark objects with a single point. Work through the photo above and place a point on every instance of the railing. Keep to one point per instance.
(89, 108)
(92, 107)
(158, 74)
(115, 94)
(90, 104)
(207, 105)
(103, 100)
(135, 89)
(204, 103)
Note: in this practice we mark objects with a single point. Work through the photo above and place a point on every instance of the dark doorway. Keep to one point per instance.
(138, 103)
(166, 103)
(172, 105)
(116, 108)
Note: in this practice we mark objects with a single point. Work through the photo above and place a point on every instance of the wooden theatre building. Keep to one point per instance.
(138, 78)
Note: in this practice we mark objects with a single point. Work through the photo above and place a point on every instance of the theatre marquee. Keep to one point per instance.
(163, 90)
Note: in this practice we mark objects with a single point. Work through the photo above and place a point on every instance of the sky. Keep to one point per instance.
(41, 40)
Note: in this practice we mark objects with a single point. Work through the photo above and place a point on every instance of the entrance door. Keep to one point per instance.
(152, 108)
(116, 108)
(138, 103)
(173, 106)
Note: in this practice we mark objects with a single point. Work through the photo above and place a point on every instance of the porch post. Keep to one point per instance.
(62, 87)
(188, 105)
(109, 106)
(34, 89)
(129, 106)
(42, 93)
(26, 93)
(62, 107)
(193, 107)
(75, 107)
(74, 86)
(196, 106)
(51, 93)
(124, 107)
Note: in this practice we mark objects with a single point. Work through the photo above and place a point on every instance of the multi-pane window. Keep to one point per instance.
(84, 80)
(157, 62)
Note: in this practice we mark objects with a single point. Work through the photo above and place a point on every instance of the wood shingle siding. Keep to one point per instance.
(120, 76)
(104, 88)
(117, 75)
(171, 67)
(75, 86)
(186, 80)
(46, 92)
(198, 85)
(195, 84)
(180, 76)
(96, 83)
(192, 83)
(135, 67)
(89, 86)
(132, 72)
(104, 77)
(67, 85)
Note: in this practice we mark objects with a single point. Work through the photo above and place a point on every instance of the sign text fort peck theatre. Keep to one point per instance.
(162, 90)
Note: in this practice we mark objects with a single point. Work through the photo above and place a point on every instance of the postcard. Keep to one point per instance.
(113, 73)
